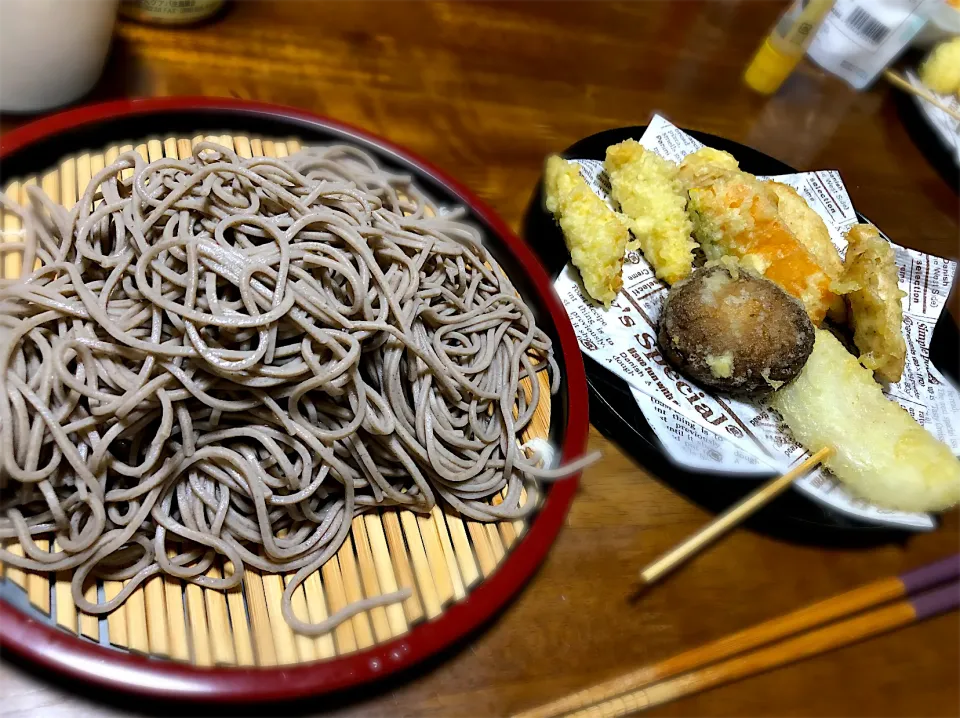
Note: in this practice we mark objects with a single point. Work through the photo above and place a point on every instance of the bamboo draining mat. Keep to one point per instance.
(440, 556)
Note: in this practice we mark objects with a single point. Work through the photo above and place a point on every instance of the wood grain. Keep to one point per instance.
(794, 649)
(767, 633)
(485, 92)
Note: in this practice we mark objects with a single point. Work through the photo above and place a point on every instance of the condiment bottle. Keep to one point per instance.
(785, 45)
(170, 12)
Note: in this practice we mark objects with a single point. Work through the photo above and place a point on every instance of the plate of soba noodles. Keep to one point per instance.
(284, 409)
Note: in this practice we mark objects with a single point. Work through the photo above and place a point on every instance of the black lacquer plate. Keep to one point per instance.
(614, 412)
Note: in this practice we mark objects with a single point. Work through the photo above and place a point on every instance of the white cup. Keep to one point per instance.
(51, 51)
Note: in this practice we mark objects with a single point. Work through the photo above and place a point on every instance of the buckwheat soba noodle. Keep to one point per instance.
(228, 359)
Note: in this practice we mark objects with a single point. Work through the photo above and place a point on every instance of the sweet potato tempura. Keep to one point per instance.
(870, 277)
(594, 234)
(651, 196)
(735, 214)
(808, 228)
(812, 233)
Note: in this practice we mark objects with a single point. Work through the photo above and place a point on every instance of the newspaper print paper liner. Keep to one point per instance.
(719, 434)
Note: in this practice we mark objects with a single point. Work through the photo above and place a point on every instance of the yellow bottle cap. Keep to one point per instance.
(769, 68)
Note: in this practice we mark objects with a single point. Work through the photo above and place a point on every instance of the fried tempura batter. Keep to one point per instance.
(736, 214)
(702, 167)
(874, 297)
(651, 196)
(734, 331)
(595, 235)
(809, 229)
(880, 452)
(941, 70)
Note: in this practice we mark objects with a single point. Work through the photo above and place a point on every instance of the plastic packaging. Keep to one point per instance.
(859, 38)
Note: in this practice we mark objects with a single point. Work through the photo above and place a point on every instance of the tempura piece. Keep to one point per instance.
(941, 70)
(736, 214)
(702, 167)
(650, 195)
(733, 331)
(809, 229)
(881, 453)
(595, 235)
(870, 277)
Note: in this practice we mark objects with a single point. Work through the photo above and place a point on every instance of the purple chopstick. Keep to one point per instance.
(932, 574)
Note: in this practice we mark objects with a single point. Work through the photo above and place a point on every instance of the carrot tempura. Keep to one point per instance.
(735, 214)
(812, 233)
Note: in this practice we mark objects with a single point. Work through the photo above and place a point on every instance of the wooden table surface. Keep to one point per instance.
(486, 92)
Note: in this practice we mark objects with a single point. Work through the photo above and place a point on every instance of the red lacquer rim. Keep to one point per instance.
(90, 663)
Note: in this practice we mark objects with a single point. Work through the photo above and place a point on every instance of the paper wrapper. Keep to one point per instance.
(721, 435)
(859, 38)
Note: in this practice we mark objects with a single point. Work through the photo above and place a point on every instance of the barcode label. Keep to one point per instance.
(867, 26)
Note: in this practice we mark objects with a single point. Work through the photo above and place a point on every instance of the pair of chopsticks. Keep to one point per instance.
(923, 592)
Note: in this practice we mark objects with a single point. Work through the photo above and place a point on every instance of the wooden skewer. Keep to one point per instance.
(17, 575)
(346, 639)
(649, 685)
(903, 84)
(317, 611)
(421, 565)
(259, 618)
(368, 575)
(218, 620)
(239, 623)
(66, 609)
(727, 520)
(177, 639)
(481, 545)
(353, 591)
(305, 645)
(284, 639)
(385, 573)
(461, 546)
(442, 580)
(196, 621)
(459, 591)
(38, 584)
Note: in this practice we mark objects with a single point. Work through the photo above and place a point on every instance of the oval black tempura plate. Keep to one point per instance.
(615, 414)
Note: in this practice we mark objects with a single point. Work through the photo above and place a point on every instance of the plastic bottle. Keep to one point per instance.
(783, 48)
